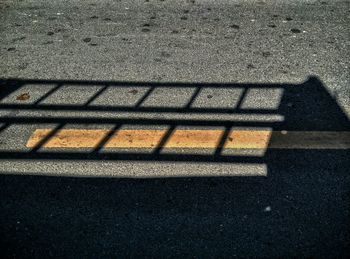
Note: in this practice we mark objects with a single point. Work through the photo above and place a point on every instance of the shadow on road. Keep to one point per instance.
(301, 208)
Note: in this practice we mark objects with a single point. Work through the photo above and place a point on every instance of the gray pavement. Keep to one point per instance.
(245, 64)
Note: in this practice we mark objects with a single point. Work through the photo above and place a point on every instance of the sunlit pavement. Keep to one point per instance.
(165, 129)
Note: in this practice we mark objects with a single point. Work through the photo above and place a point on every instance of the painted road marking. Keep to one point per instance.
(87, 138)
(181, 138)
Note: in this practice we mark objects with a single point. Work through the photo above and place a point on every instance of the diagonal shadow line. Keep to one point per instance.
(241, 99)
(44, 140)
(164, 139)
(222, 141)
(144, 97)
(193, 97)
(105, 139)
(96, 95)
(47, 94)
(9, 86)
(4, 126)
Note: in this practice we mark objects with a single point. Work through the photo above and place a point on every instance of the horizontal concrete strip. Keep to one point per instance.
(181, 138)
(132, 169)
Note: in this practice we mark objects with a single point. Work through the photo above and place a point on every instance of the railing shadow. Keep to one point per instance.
(299, 209)
(305, 107)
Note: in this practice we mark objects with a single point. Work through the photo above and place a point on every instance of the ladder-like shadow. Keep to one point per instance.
(301, 208)
(301, 107)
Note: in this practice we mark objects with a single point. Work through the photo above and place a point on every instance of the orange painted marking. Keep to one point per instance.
(254, 139)
(135, 139)
(77, 138)
(88, 138)
(181, 138)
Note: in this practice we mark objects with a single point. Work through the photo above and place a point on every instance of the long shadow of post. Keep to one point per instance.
(300, 208)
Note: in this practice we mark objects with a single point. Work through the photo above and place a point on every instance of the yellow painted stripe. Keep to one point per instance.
(180, 138)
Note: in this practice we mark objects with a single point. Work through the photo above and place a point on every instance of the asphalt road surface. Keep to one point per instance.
(195, 129)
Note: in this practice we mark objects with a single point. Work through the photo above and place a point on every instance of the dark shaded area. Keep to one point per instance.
(300, 209)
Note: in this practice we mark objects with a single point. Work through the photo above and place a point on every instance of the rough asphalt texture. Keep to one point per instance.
(297, 205)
